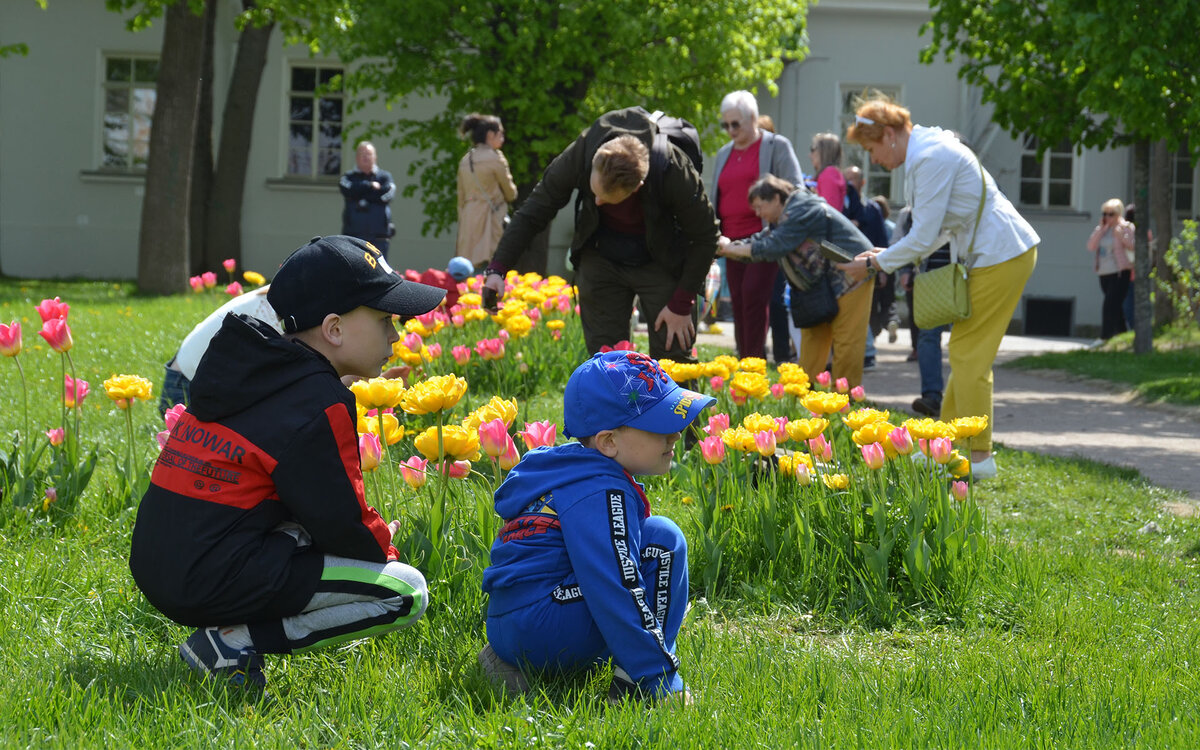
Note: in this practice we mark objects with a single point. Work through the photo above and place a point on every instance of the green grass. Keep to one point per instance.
(1084, 633)
(1171, 373)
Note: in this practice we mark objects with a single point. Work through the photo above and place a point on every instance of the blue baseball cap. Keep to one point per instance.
(622, 388)
(460, 268)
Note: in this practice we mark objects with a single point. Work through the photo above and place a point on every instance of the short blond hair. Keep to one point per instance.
(872, 115)
(621, 165)
(1116, 203)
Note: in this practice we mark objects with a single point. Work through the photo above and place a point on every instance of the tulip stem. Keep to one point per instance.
(24, 396)
(78, 405)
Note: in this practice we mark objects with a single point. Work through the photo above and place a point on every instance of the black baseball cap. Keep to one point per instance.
(336, 274)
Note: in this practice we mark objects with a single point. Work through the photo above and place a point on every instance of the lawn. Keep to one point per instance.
(1078, 631)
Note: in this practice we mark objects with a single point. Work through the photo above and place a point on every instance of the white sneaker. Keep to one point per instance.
(891, 329)
(985, 469)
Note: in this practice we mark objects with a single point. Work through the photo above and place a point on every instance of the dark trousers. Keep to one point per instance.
(750, 287)
(1112, 315)
(606, 292)
(781, 337)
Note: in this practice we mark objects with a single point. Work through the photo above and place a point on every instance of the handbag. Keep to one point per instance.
(941, 296)
(815, 305)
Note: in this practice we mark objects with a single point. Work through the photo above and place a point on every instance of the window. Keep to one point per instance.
(314, 139)
(878, 181)
(1047, 182)
(1183, 185)
(129, 96)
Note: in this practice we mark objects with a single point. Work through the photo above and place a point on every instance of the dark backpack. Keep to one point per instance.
(679, 132)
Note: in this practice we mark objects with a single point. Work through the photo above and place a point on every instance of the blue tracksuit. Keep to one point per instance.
(581, 570)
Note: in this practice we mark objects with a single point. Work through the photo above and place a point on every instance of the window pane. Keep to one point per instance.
(145, 71)
(301, 108)
(143, 102)
(331, 161)
(1183, 199)
(1031, 143)
(1183, 171)
(1060, 194)
(300, 133)
(331, 137)
(1031, 193)
(116, 139)
(1064, 146)
(116, 100)
(1030, 167)
(331, 110)
(1060, 167)
(304, 79)
(299, 159)
(328, 75)
(118, 69)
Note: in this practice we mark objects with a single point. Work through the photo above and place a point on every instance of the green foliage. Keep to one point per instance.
(1182, 285)
(549, 69)
(1096, 72)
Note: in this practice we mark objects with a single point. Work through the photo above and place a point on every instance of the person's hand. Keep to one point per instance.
(723, 242)
(374, 184)
(493, 289)
(399, 372)
(393, 528)
(906, 280)
(736, 250)
(856, 269)
(679, 327)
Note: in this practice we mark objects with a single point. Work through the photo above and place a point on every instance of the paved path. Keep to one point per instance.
(1049, 413)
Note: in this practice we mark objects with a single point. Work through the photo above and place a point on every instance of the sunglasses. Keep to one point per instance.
(731, 126)
(1110, 213)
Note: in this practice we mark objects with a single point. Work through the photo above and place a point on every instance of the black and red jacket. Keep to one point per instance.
(269, 441)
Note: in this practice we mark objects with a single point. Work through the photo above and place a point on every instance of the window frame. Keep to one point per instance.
(315, 148)
(1046, 180)
(130, 165)
(855, 155)
(1181, 161)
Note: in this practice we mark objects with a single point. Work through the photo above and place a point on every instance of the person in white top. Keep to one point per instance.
(1111, 243)
(944, 184)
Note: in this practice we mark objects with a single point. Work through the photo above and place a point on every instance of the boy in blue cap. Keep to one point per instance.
(580, 570)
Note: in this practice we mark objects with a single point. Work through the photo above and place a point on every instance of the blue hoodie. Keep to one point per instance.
(573, 530)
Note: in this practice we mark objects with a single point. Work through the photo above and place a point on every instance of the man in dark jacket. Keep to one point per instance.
(255, 528)
(652, 236)
(368, 190)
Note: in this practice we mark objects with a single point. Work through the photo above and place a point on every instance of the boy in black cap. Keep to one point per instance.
(255, 529)
(580, 570)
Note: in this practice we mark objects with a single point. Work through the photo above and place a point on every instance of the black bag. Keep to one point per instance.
(815, 305)
(679, 132)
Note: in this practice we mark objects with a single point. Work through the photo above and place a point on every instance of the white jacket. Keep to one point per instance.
(942, 185)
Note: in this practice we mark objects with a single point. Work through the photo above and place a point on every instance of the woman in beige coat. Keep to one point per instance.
(485, 188)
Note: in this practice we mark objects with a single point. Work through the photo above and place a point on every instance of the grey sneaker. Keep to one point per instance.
(502, 673)
(209, 656)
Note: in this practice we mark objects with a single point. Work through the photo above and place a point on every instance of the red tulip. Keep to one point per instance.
(539, 434)
(51, 309)
(234, 289)
(74, 391)
(197, 283)
(57, 334)
(209, 278)
(229, 264)
(461, 354)
(56, 436)
(10, 339)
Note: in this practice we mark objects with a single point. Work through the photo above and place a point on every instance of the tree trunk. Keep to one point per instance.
(202, 159)
(1159, 219)
(1143, 310)
(163, 239)
(223, 232)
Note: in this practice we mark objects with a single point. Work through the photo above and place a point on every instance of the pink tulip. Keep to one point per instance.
(712, 448)
(234, 289)
(209, 278)
(435, 351)
(503, 334)
(458, 321)
(820, 448)
(717, 382)
(901, 440)
(197, 283)
(230, 264)
(74, 391)
(777, 390)
(510, 457)
(490, 349)
(534, 314)
(958, 490)
(857, 393)
(10, 339)
(461, 354)
(539, 434)
(923, 444)
(556, 335)
(737, 397)
(57, 334)
(717, 424)
(413, 471)
(51, 495)
(940, 449)
(492, 437)
(842, 385)
(51, 309)
(370, 451)
(765, 443)
(824, 379)
(56, 436)
(162, 437)
(873, 455)
(429, 319)
(564, 304)
(455, 470)
(414, 342)
(780, 429)
(803, 474)
(576, 309)
(172, 415)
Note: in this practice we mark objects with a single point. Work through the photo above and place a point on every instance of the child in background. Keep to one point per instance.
(580, 570)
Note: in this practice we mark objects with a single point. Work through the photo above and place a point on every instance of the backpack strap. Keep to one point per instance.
(660, 154)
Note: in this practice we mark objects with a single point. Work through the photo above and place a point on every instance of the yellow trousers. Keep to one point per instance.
(846, 334)
(994, 293)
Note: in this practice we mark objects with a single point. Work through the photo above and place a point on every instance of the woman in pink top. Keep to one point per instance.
(1112, 245)
(826, 155)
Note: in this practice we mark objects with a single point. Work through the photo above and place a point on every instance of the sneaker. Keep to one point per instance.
(927, 407)
(892, 327)
(985, 469)
(868, 364)
(622, 687)
(208, 656)
(912, 356)
(501, 673)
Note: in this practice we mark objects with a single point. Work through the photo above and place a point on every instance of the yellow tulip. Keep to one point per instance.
(378, 393)
(753, 364)
(518, 325)
(470, 299)
(804, 429)
(855, 420)
(789, 462)
(875, 432)
(497, 408)
(825, 402)
(556, 325)
(739, 439)
(254, 277)
(795, 389)
(759, 422)
(458, 442)
(393, 431)
(969, 427)
(438, 393)
(124, 388)
(750, 384)
(929, 429)
(836, 481)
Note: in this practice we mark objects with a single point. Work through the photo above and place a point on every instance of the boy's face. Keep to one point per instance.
(366, 342)
(643, 453)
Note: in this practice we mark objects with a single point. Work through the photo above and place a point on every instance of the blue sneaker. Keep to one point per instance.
(208, 656)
